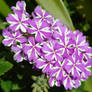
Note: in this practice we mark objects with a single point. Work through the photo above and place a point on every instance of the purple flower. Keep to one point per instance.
(66, 42)
(61, 28)
(85, 57)
(54, 25)
(42, 15)
(74, 66)
(32, 49)
(44, 65)
(18, 21)
(80, 42)
(53, 82)
(20, 5)
(40, 29)
(68, 82)
(52, 50)
(86, 60)
(11, 38)
(19, 54)
(58, 70)
(87, 72)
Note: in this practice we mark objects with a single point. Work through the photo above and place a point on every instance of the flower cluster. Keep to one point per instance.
(63, 55)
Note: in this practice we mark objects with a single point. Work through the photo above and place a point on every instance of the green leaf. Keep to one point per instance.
(15, 86)
(88, 84)
(4, 9)
(58, 10)
(6, 85)
(5, 66)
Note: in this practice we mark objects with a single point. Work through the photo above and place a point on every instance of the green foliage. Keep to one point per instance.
(41, 84)
(5, 66)
(58, 10)
(88, 84)
(6, 85)
(4, 8)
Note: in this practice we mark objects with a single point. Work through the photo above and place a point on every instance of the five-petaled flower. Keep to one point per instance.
(40, 29)
(32, 49)
(42, 15)
(52, 51)
(18, 20)
(11, 38)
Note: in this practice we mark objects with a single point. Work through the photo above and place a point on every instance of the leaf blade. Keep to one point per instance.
(5, 66)
(4, 8)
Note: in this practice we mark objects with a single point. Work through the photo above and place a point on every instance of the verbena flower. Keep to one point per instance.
(80, 42)
(19, 53)
(74, 66)
(58, 70)
(54, 82)
(20, 5)
(54, 25)
(42, 15)
(20, 19)
(52, 51)
(32, 49)
(44, 64)
(40, 29)
(67, 43)
(67, 82)
(11, 38)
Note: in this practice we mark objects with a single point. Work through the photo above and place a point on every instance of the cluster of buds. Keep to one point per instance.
(62, 54)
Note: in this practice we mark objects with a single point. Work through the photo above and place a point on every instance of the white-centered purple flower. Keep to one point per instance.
(42, 15)
(74, 66)
(17, 21)
(20, 5)
(58, 70)
(54, 82)
(85, 57)
(80, 42)
(86, 60)
(19, 53)
(11, 38)
(52, 50)
(40, 29)
(68, 82)
(54, 25)
(32, 49)
(44, 64)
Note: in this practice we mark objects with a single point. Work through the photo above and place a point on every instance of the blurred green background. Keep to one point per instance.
(20, 77)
